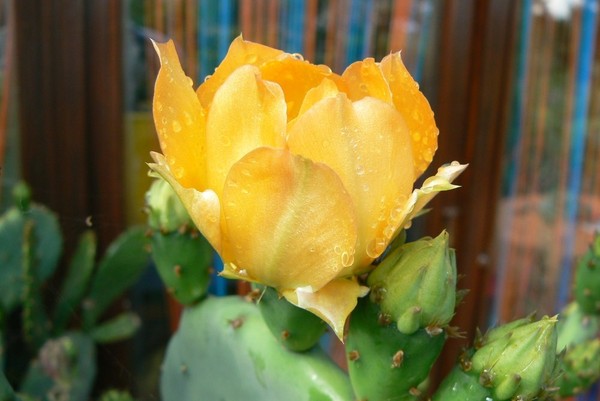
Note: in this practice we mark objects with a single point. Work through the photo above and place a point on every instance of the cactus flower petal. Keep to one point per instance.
(204, 207)
(247, 112)
(367, 144)
(277, 237)
(332, 303)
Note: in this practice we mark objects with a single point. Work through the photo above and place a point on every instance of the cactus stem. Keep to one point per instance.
(397, 359)
(353, 355)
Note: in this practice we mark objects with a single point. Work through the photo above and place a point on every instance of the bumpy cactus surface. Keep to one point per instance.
(223, 350)
(587, 279)
(297, 329)
(384, 363)
(513, 362)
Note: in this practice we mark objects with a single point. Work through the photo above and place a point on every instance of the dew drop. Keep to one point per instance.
(388, 232)
(176, 126)
(246, 172)
(206, 78)
(187, 118)
(360, 169)
(298, 56)
(363, 87)
(337, 249)
(159, 106)
(245, 191)
(212, 218)
(347, 259)
(365, 187)
(312, 249)
(164, 120)
(190, 81)
(251, 58)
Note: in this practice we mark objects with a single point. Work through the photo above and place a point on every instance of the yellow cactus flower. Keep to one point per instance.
(297, 176)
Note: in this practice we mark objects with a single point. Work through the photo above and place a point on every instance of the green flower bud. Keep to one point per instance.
(416, 284)
(165, 211)
(21, 196)
(517, 363)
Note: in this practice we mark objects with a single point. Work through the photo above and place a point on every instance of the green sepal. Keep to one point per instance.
(122, 264)
(183, 260)
(383, 362)
(296, 328)
(118, 328)
(223, 350)
(77, 280)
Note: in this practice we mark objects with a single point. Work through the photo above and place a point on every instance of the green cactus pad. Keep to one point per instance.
(118, 328)
(224, 351)
(183, 261)
(461, 386)
(385, 364)
(123, 263)
(575, 327)
(65, 367)
(48, 247)
(77, 281)
(296, 328)
(580, 368)
(416, 284)
(587, 279)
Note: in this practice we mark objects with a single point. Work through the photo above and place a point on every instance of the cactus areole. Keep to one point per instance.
(297, 176)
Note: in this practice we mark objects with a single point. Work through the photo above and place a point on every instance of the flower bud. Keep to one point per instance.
(517, 363)
(165, 211)
(416, 284)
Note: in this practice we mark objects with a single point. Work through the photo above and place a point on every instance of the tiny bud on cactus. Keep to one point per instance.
(416, 284)
(518, 361)
(165, 211)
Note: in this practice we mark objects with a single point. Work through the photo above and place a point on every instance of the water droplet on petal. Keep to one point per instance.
(360, 169)
(178, 172)
(246, 172)
(347, 259)
(206, 78)
(190, 81)
(176, 126)
(159, 106)
(187, 118)
(337, 249)
(164, 120)
(298, 56)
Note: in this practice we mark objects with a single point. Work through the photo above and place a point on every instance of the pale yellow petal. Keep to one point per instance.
(364, 78)
(332, 303)
(367, 144)
(327, 88)
(247, 112)
(414, 108)
(179, 120)
(442, 181)
(288, 221)
(241, 52)
(203, 207)
(296, 77)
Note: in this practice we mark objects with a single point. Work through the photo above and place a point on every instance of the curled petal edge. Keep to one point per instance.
(204, 207)
(441, 181)
(332, 303)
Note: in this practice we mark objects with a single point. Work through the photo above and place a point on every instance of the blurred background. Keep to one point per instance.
(515, 86)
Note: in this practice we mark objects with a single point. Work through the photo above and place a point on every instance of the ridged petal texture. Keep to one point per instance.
(297, 176)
